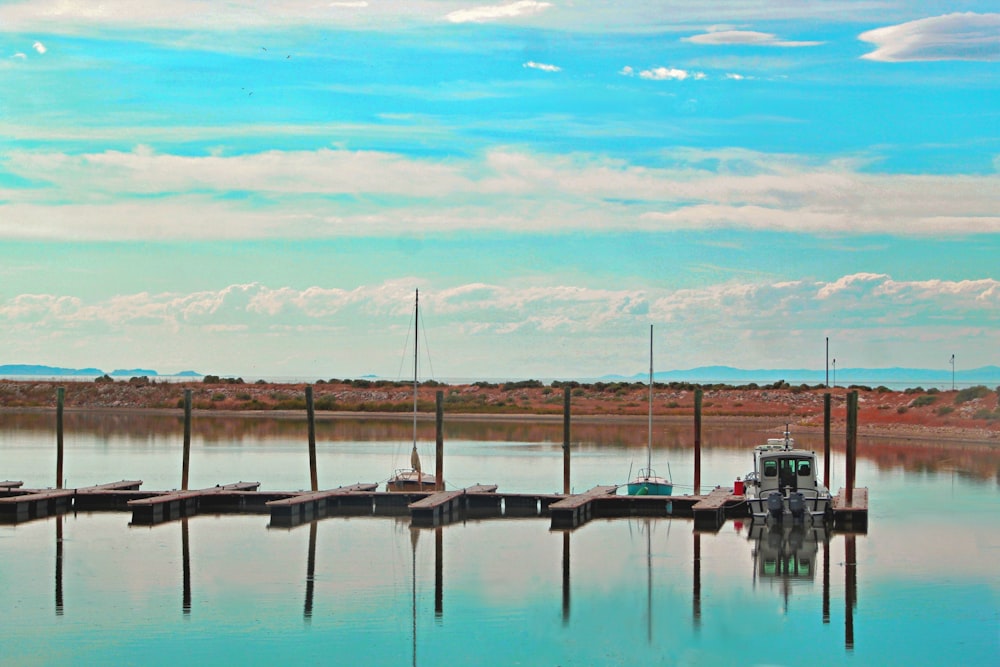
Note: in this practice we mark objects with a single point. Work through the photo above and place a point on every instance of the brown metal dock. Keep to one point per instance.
(167, 506)
(28, 504)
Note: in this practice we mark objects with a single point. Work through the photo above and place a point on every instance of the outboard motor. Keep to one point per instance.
(797, 505)
(776, 506)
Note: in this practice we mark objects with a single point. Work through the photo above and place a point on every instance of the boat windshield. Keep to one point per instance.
(788, 470)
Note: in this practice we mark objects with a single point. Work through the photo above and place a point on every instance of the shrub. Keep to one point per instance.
(970, 394)
(984, 413)
(882, 389)
(921, 401)
(944, 410)
(104, 379)
(901, 410)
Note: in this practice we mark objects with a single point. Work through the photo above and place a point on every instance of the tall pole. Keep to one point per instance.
(439, 441)
(852, 443)
(186, 460)
(827, 412)
(566, 441)
(311, 419)
(697, 441)
(60, 400)
(835, 371)
(953, 372)
(828, 362)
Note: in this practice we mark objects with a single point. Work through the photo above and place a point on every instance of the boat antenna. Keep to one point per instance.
(787, 437)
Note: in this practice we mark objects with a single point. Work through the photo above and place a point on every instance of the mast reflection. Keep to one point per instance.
(186, 567)
(310, 572)
(59, 565)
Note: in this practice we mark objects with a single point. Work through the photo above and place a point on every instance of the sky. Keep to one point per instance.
(258, 189)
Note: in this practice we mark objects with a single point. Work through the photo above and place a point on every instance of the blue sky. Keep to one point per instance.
(257, 189)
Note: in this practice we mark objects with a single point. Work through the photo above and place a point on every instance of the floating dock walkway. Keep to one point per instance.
(288, 509)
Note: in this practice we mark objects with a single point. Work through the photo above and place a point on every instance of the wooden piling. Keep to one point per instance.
(438, 572)
(439, 441)
(185, 568)
(311, 418)
(566, 486)
(852, 442)
(826, 439)
(697, 441)
(60, 400)
(186, 460)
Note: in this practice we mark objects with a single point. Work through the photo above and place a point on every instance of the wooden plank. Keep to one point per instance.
(123, 485)
(10, 484)
(716, 499)
(859, 504)
(576, 500)
(185, 495)
(481, 488)
(312, 496)
(436, 499)
(38, 495)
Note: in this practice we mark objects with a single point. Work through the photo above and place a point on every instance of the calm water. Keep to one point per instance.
(921, 588)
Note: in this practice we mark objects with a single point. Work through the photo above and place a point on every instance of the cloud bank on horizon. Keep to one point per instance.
(223, 186)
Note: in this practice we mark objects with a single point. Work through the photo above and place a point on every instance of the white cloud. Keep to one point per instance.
(98, 196)
(960, 36)
(664, 74)
(39, 47)
(489, 13)
(518, 322)
(542, 66)
(20, 56)
(744, 37)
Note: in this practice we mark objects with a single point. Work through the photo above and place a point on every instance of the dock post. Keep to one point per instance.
(697, 441)
(60, 400)
(185, 568)
(439, 441)
(826, 439)
(59, 565)
(186, 460)
(311, 418)
(565, 578)
(852, 443)
(566, 441)
(438, 572)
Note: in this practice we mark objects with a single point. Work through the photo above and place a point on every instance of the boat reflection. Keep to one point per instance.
(786, 552)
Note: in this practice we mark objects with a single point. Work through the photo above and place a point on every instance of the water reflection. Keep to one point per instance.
(978, 461)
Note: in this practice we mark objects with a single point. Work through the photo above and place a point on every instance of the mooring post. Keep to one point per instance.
(438, 572)
(311, 418)
(565, 578)
(566, 441)
(60, 400)
(185, 568)
(186, 460)
(439, 441)
(826, 439)
(697, 441)
(852, 443)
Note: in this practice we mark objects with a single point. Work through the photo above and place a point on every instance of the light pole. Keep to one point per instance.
(835, 371)
(953, 372)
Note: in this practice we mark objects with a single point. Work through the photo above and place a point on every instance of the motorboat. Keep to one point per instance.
(783, 483)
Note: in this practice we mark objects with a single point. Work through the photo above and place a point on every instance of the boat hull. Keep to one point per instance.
(409, 481)
(816, 507)
(653, 486)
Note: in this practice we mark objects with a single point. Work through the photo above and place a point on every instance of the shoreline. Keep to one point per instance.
(917, 433)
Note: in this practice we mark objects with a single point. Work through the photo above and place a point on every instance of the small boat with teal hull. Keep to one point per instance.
(647, 482)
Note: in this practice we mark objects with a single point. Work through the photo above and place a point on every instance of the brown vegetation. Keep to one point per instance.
(971, 413)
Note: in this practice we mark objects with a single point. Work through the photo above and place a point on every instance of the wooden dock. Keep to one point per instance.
(310, 505)
(36, 503)
(167, 506)
(851, 516)
(9, 484)
(445, 506)
(577, 509)
(710, 512)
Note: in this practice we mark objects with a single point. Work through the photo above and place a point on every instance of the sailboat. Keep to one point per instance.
(413, 478)
(647, 482)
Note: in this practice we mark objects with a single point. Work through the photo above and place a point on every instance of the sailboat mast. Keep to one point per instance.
(416, 333)
(649, 437)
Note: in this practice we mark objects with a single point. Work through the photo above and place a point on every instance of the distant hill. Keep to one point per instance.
(989, 375)
(30, 370)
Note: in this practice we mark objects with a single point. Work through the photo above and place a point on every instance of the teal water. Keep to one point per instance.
(921, 588)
